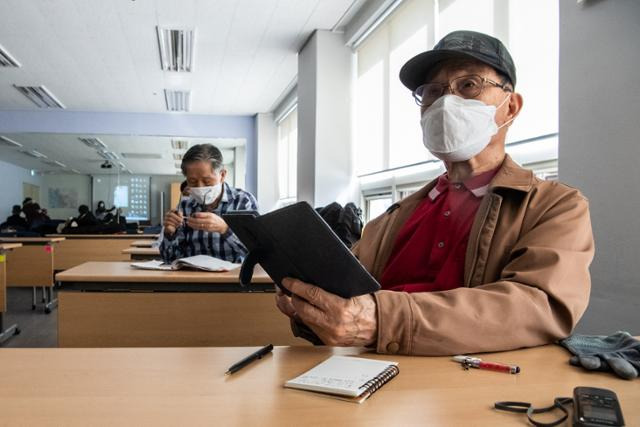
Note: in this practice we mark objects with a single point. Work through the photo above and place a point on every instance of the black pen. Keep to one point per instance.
(250, 358)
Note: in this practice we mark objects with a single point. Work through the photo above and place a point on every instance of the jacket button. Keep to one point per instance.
(393, 347)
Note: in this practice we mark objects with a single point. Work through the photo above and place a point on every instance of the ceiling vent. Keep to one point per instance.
(179, 144)
(177, 100)
(108, 155)
(40, 96)
(6, 60)
(176, 49)
(142, 156)
(94, 143)
(35, 154)
(10, 142)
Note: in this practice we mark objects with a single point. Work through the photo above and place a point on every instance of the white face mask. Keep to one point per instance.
(455, 129)
(206, 195)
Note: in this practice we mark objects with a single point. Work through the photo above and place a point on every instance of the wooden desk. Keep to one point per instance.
(80, 248)
(32, 266)
(5, 332)
(147, 243)
(187, 386)
(111, 304)
(142, 254)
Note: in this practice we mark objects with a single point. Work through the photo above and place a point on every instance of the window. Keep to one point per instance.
(287, 157)
(388, 138)
(376, 205)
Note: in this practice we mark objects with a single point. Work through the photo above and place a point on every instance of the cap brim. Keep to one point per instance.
(414, 72)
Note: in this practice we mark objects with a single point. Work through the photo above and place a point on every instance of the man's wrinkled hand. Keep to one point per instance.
(335, 320)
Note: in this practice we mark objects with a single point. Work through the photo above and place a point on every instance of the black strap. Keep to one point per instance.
(525, 407)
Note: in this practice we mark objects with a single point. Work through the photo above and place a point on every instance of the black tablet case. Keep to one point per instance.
(295, 241)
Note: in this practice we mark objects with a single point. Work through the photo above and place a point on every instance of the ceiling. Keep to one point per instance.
(74, 154)
(102, 55)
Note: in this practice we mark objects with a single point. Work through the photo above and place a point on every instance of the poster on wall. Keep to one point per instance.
(63, 198)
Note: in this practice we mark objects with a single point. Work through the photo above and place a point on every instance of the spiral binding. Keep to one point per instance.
(384, 377)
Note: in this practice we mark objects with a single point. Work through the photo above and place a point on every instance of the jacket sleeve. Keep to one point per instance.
(172, 247)
(541, 294)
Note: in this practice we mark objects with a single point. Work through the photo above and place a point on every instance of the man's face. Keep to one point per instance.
(490, 95)
(201, 174)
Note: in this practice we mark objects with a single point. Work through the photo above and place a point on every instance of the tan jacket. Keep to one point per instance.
(526, 272)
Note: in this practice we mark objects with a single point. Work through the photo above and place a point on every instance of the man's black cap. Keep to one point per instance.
(459, 44)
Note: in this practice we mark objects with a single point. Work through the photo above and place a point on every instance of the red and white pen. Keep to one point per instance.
(475, 362)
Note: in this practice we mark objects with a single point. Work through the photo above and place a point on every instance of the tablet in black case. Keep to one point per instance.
(295, 241)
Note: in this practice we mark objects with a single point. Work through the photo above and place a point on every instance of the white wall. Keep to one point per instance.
(12, 179)
(74, 189)
(325, 169)
(267, 139)
(599, 148)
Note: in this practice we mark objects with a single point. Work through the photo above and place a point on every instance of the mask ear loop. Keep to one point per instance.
(498, 107)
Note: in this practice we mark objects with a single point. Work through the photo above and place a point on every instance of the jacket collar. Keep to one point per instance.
(510, 175)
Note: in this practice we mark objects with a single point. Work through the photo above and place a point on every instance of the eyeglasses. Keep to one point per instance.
(466, 86)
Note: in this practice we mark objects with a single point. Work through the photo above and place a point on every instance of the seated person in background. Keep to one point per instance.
(85, 217)
(15, 221)
(102, 213)
(486, 257)
(196, 227)
(35, 216)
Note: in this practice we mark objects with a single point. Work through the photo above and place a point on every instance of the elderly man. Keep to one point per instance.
(196, 227)
(487, 257)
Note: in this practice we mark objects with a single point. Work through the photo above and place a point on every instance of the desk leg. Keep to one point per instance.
(52, 301)
(33, 298)
(44, 295)
(5, 334)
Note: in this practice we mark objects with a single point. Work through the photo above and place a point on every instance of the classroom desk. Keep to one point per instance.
(143, 243)
(5, 332)
(81, 248)
(187, 386)
(111, 304)
(32, 266)
(142, 254)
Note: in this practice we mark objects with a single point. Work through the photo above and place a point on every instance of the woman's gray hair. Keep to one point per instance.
(202, 153)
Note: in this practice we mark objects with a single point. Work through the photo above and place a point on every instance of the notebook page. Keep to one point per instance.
(152, 265)
(340, 375)
(208, 263)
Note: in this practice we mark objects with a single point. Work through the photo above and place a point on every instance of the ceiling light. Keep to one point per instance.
(108, 155)
(6, 60)
(178, 166)
(76, 171)
(34, 153)
(179, 144)
(177, 100)
(54, 163)
(6, 141)
(177, 156)
(148, 156)
(40, 96)
(176, 49)
(122, 166)
(94, 143)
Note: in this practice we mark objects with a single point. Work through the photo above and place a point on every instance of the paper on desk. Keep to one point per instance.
(199, 262)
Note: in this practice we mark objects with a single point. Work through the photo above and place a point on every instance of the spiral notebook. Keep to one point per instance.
(353, 379)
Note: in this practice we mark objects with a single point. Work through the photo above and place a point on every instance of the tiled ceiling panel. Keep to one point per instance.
(102, 55)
